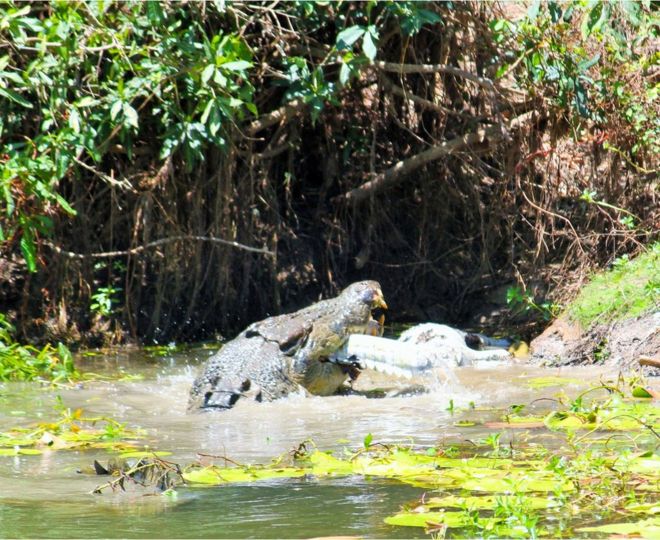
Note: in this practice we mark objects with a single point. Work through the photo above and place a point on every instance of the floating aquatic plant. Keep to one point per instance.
(70, 431)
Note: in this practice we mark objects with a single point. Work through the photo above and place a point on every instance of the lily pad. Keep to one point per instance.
(16, 451)
(640, 465)
(647, 528)
(488, 502)
(426, 519)
(141, 454)
(545, 382)
(644, 508)
(522, 485)
(225, 475)
(324, 464)
(465, 423)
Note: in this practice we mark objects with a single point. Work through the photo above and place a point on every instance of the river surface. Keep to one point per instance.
(47, 496)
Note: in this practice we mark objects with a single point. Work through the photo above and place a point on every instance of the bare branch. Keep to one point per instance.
(424, 103)
(394, 174)
(435, 68)
(156, 243)
(282, 114)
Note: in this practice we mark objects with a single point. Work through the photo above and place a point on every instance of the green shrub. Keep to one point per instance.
(628, 289)
(27, 363)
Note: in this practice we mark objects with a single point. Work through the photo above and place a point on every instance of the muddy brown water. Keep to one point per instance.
(45, 496)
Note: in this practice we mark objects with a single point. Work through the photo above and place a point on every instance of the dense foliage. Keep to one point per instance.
(173, 169)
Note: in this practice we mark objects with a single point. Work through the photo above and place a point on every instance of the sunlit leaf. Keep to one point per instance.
(522, 485)
(426, 519)
(29, 251)
(116, 109)
(644, 508)
(543, 382)
(141, 454)
(65, 205)
(130, 115)
(369, 46)
(238, 65)
(367, 440)
(348, 36)
(219, 475)
(15, 97)
(641, 392)
(647, 528)
(326, 464)
(207, 73)
(488, 502)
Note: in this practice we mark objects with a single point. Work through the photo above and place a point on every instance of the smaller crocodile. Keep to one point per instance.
(289, 353)
(422, 347)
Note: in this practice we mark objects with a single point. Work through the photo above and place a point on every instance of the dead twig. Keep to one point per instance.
(435, 68)
(156, 243)
(393, 175)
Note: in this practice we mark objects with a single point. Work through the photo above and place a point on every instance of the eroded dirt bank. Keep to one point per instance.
(622, 343)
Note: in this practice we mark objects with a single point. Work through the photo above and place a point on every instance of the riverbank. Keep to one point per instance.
(614, 320)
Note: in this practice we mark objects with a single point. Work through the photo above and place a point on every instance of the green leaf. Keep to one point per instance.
(581, 99)
(344, 73)
(521, 485)
(632, 9)
(116, 109)
(584, 66)
(324, 464)
(65, 205)
(648, 528)
(368, 439)
(67, 358)
(155, 12)
(74, 120)
(544, 382)
(641, 392)
(534, 9)
(487, 502)
(237, 65)
(555, 11)
(207, 111)
(145, 453)
(29, 251)
(130, 115)
(207, 73)
(369, 47)
(15, 97)
(425, 519)
(219, 475)
(347, 37)
(87, 101)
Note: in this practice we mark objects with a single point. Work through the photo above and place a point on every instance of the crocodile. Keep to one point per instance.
(289, 354)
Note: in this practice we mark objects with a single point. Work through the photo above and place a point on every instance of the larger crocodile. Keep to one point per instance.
(289, 353)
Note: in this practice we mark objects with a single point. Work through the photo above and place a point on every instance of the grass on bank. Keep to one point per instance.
(629, 289)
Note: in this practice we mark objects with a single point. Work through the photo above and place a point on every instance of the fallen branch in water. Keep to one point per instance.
(139, 249)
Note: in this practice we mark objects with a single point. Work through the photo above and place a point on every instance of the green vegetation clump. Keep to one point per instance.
(71, 431)
(28, 363)
(631, 287)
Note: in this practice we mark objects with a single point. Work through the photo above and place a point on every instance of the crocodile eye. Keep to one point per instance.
(367, 295)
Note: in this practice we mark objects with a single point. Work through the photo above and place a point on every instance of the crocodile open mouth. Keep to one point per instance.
(376, 324)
